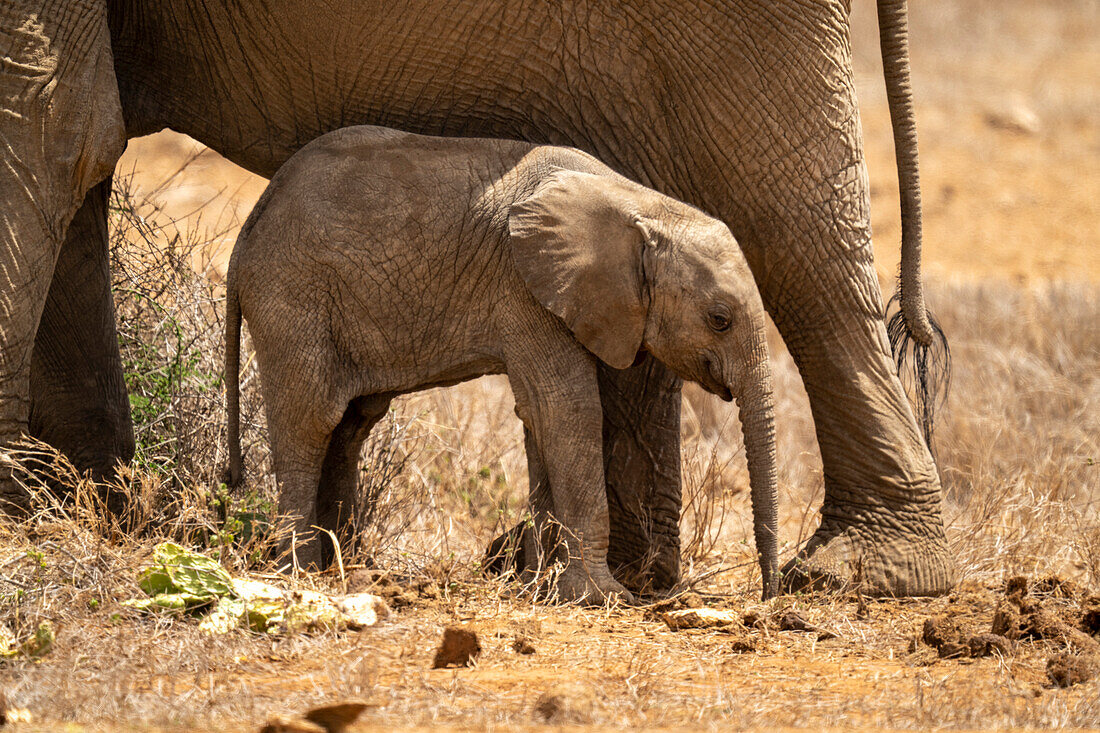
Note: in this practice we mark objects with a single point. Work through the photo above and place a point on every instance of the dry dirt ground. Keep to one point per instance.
(1008, 98)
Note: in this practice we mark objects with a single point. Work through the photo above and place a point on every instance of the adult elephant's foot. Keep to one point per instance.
(879, 561)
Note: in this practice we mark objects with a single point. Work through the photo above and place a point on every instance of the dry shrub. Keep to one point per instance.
(1021, 434)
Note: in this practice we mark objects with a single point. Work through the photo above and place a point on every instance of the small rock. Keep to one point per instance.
(1016, 116)
(522, 645)
(1065, 670)
(701, 618)
(984, 645)
(336, 718)
(565, 703)
(361, 609)
(459, 648)
(286, 724)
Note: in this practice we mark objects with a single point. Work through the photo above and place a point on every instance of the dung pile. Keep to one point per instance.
(1050, 611)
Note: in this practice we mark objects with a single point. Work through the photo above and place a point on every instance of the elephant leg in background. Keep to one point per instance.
(83, 412)
(337, 493)
(63, 133)
(641, 444)
(534, 547)
(519, 549)
(641, 452)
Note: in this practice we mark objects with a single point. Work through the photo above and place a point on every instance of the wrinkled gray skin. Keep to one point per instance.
(379, 262)
(743, 108)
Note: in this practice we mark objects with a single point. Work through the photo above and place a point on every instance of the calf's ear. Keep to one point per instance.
(578, 243)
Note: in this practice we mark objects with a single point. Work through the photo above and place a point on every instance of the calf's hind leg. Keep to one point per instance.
(299, 433)
(337, 493)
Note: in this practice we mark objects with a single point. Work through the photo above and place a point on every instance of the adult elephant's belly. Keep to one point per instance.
(257, 81)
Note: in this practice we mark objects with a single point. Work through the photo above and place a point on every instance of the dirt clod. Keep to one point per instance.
(459, 648)
(366, 580)
(947, 637)
(336, 718)
(1066, 670)
(522, 645)
(379, 582)
(792, 621)
(755, 620)
(1017, 586)
(1007, 622)
(743, 644)
(1043, 624)
(1055, 587)
(941, 630)
(953, 650)
(1090, 616)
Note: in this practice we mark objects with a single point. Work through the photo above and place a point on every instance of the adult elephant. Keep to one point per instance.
(745, 108)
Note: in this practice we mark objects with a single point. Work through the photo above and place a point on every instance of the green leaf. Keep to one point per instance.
(177, 570)
(229, 614)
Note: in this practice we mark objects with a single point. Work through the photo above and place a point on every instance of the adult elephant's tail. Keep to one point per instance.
(915, 338)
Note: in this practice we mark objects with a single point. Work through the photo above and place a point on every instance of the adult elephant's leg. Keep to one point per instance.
(78, 396)
(519, 549)
(881, 520)
(62, 133)
(641, 440)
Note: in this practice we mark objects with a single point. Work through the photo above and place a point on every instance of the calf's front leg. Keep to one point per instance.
(557, 397)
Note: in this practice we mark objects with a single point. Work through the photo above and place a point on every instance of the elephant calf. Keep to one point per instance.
(378, 263)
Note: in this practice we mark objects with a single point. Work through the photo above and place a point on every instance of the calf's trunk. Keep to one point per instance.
(757, 414)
